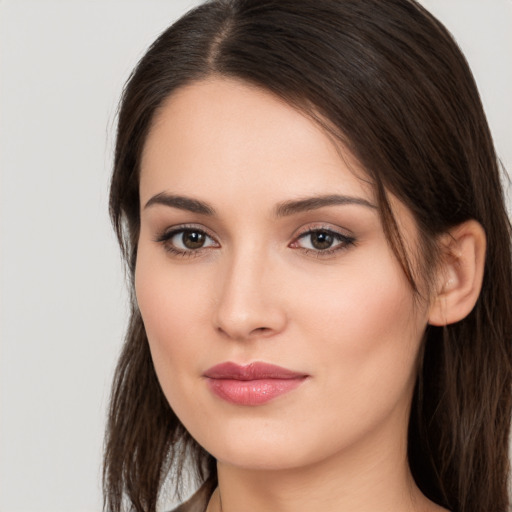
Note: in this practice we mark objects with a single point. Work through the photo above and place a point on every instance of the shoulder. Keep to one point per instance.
(198, 502)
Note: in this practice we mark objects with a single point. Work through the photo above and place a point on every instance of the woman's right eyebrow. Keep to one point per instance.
(182, 203)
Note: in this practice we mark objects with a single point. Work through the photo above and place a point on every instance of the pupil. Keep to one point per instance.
(193, 239)
(321, 240)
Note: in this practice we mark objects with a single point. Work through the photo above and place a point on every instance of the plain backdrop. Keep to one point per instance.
(62, 296)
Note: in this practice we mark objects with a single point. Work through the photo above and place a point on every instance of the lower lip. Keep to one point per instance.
(252, 392)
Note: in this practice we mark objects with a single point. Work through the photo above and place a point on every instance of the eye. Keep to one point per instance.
(189, 240)
(322, 241)
(186, 241)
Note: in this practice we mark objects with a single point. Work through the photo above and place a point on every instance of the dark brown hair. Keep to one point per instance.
(387, 79)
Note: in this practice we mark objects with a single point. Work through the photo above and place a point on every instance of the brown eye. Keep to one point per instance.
(193, 239)
(185, 241)
(321, 240)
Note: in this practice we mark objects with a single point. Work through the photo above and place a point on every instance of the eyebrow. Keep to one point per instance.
(283, 209)
(314, 203)
(182, 203)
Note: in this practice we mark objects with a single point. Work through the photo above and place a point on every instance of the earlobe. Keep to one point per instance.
(460, 273)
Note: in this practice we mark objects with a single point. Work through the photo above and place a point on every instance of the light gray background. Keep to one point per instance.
(62, 298)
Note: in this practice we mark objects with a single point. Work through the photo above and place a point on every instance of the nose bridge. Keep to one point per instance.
(247, 302)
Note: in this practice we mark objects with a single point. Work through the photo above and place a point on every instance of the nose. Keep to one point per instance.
(249, 304)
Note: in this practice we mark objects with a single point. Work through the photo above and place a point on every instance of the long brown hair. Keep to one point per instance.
(388, 80)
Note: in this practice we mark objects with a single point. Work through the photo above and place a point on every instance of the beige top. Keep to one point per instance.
(198, 502)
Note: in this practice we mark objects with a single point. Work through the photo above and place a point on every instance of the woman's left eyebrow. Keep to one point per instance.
(314, 203)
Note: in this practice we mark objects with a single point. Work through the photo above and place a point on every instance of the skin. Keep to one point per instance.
(259, 290)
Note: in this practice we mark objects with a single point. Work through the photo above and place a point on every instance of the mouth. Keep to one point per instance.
(253, 384)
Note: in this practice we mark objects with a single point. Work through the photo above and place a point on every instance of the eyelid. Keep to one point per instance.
(314, 227)
(171, 230)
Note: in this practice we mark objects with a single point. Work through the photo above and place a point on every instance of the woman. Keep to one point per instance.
(309, 203)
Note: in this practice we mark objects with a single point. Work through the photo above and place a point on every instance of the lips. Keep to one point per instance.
(253, 384)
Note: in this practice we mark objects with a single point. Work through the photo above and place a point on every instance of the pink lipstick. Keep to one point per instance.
(253, 384)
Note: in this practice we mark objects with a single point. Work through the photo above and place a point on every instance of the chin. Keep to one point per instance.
(255, 447)
(258, 458)
(265, 448)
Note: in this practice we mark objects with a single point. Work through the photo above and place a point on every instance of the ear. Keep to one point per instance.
(460, 273)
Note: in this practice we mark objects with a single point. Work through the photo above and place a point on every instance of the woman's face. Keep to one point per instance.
(261, 243)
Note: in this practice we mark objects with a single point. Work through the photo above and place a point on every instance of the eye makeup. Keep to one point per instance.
(322, 241)
(191, 241)
(186, 241)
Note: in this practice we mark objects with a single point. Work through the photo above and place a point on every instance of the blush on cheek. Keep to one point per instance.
(374, 328)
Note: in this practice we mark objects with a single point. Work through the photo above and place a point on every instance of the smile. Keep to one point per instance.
(253, 384)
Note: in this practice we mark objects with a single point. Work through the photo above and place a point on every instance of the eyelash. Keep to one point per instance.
(344, 242)
(166, 237)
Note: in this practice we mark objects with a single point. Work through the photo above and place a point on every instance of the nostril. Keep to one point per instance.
(254, 332)
(261, 330)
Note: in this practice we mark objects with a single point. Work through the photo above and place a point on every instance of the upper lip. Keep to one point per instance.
(252, 371)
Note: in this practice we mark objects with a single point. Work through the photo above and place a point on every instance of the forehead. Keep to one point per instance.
(223, 135)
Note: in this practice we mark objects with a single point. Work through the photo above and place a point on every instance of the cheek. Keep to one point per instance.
(172, 308)
(368, 324)
(171, 297)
